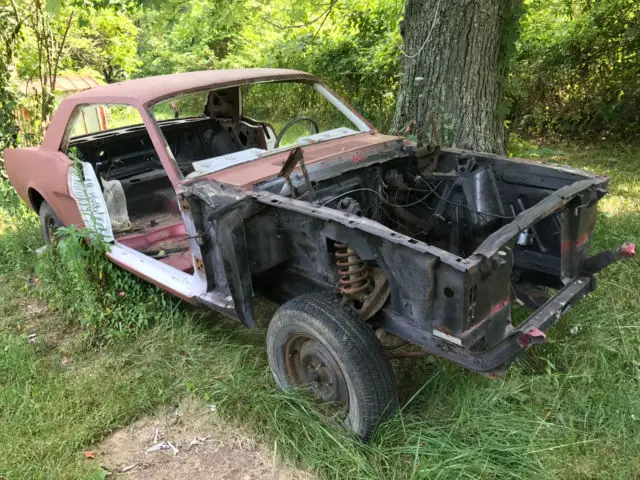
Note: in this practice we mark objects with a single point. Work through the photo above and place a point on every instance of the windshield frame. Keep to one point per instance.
(349, 113)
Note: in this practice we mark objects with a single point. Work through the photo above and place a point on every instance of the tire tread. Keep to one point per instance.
(356, 343)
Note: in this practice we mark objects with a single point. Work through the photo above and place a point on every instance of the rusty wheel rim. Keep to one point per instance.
(309, 362)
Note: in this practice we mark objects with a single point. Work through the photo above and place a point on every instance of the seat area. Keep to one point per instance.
(140, 198)
(155, 223)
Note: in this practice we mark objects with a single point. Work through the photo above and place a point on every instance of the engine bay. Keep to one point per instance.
(448, 200)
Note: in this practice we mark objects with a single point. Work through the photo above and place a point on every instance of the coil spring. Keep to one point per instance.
(354, 273)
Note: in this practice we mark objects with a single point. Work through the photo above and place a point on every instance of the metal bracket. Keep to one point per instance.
(535, 336)
(295, 157)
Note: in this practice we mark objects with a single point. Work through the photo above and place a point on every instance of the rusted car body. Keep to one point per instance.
(430, 245)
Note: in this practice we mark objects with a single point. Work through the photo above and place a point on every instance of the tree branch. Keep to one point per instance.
(324, 14)
(322, 23)
(59, 53)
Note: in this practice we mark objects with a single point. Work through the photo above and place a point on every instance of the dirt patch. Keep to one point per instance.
(188, 442)
(31, 308)
(40, 325)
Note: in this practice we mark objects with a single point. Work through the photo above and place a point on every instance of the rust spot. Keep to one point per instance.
(535, 336)
(582, 240)
(199, 264)
(628, 249)
(567, 244)
(184, 204)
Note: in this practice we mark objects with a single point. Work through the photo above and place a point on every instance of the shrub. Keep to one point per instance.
(577, 70)
(77, 280)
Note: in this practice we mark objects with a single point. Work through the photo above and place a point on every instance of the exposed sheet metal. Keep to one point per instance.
(216, 164)
(169, 278)
(328, 135)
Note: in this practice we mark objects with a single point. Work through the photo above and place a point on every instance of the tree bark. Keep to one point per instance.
(452, 69)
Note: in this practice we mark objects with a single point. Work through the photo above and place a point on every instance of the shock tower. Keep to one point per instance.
(366, 285)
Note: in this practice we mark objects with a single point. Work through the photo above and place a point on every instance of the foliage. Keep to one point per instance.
(181, 36)
(19, 231)
(76, 278)
(48, 35)
(354, 49)
(99, 36)
(105, 40)
(577, 71)
(89, 291)
(351, 44)
(50, 411)
(572, 64)
(40, 40)
(10, 35)
(568, 409)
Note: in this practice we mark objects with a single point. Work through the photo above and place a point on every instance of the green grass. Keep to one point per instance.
(567, 409)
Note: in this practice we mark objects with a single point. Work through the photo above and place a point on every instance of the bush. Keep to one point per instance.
(77, 280)
(577, 70)
(19, 231)
(356, 55)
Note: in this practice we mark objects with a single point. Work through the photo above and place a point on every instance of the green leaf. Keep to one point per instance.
(54, 6)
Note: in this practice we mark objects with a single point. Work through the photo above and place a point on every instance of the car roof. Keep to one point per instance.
(153, 89)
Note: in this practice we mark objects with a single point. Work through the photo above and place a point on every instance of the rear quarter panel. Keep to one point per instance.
(36, 171)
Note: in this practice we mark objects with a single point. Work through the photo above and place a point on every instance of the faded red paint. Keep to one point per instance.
(45, 169)
(584, 238)
(148, 238)
(248, 174)
(35, 172)
(628, 249)
(42, 172)
(141, 93)
(149, 90)
(499, 306)
(568, 244)
(534, 336)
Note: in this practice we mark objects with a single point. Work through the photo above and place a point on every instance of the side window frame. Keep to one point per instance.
(68, 129)
(152, 128)
(77, 113)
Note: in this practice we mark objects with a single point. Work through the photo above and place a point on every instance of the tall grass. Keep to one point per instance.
(567, 409)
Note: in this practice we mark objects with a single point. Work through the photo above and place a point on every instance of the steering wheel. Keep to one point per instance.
(291, 124)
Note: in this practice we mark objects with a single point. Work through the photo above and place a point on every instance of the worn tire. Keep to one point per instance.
(366, 371)
(49, 221)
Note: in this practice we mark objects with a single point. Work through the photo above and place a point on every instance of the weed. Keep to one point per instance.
(78, 281)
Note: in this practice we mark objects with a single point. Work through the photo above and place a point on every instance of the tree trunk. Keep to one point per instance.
(452, 69)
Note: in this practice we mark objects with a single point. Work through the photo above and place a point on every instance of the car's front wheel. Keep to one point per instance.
(49, 221)
(313, 340)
